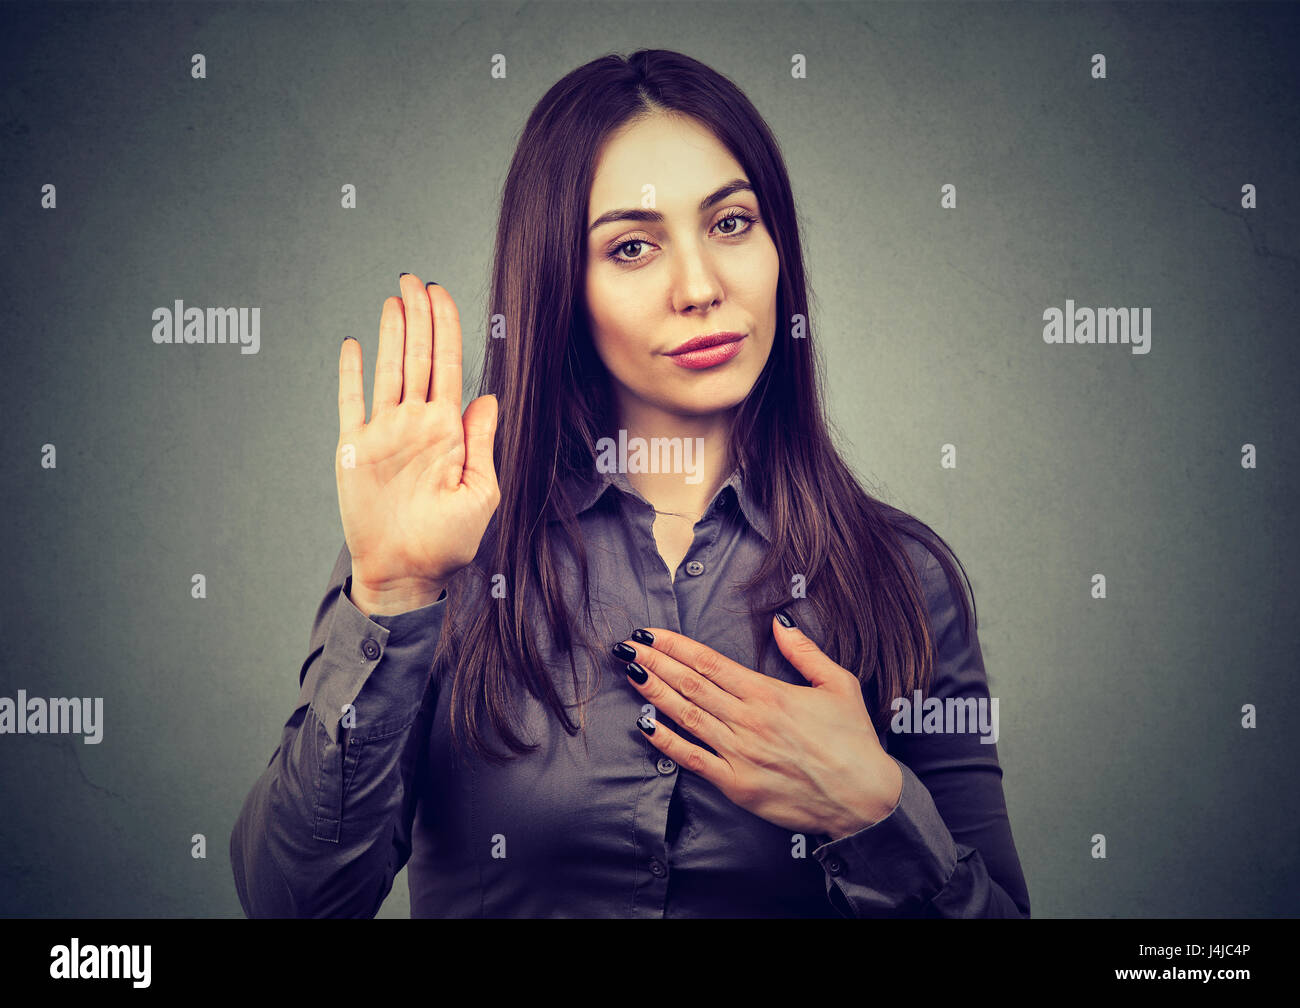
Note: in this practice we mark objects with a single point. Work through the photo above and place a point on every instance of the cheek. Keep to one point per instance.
(616, 314)
(770, 269)
(770, 272)
(612, 318)
(755, 276)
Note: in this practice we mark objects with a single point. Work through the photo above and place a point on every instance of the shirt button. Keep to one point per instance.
(695, 568)
(665, 765)
(834, 865)
(657, 868)
(370, 648)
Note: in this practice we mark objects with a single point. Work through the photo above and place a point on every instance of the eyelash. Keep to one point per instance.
(613, 254)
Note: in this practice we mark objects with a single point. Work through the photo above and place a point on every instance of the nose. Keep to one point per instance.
(695, 282)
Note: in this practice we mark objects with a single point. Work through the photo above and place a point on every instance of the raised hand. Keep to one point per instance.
(417, 484)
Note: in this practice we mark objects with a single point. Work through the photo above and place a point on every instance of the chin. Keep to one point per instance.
(713, 403)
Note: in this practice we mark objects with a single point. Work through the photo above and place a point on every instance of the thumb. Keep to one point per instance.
(799, 649)
(480, 422)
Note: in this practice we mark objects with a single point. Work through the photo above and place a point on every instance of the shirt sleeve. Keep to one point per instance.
(946, 849)
(327, 826)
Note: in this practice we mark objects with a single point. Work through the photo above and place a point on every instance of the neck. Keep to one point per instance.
(706, 464)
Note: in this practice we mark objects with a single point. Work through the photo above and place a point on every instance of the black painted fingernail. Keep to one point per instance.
(643, 636)
(638, 674)
(785, 620)
(645, 725)
(400, 275)
(431, 283)
(624, 651)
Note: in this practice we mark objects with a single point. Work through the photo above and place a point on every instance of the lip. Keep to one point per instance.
(707, 340)
(713, 352)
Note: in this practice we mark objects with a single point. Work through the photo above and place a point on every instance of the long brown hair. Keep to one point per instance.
(555, 401)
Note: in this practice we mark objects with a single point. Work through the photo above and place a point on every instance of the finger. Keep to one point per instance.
(352, 398)
(388, 361)
(447, 347)
(693, 718)
(712, 768)
(417, 352)
(811, 661)
(480, 423)
(689, 688)
(720, 670)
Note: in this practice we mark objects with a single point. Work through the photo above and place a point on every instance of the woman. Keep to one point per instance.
(664, 513)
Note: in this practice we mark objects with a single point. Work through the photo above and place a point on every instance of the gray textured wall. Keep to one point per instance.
(1119, 716)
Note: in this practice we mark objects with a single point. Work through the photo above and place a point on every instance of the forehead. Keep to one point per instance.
(678, 155)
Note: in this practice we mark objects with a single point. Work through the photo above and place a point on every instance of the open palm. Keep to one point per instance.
(417, 484)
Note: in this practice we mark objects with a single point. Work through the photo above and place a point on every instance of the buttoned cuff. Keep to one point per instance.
(355, 646)
(899, 863)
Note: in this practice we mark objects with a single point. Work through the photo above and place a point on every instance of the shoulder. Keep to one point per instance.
(940, 574)
(921, 543)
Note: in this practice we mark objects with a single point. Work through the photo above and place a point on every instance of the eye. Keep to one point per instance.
(739, 215)
(614, 253)
(727, 231)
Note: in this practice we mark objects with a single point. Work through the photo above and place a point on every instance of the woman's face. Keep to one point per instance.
(651, 285)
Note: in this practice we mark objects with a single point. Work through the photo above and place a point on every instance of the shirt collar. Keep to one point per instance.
(584, 490)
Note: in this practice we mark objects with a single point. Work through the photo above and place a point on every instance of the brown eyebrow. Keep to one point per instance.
(655, 217)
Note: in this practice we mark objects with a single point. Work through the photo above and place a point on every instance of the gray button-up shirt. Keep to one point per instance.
(612, 827)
